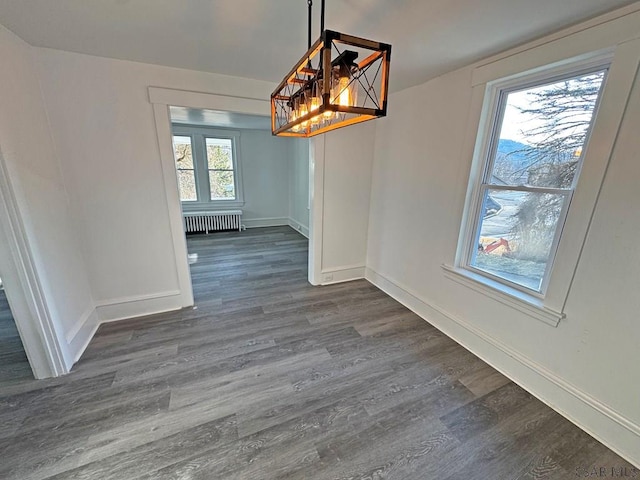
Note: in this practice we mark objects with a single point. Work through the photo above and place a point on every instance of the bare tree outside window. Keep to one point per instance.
(529, 184)
(564, 111)
(183, 154)
(220, 164)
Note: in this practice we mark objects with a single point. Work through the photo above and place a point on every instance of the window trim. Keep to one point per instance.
(500, 91)
(521, 301)
(623, 61)
(198, 135)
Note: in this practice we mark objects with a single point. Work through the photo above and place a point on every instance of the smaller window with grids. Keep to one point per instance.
(220, 169)
(183, 154)
(207, 165)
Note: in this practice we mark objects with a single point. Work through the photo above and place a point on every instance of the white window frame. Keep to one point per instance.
(198, 136)
(548, 308)
(499, 95)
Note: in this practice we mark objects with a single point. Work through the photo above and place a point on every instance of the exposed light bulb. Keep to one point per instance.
(315, 105)
(302, 112)
(294, 117)
(344, 93)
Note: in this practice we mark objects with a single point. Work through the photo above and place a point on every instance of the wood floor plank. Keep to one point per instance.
(158, 454)
(43, 451)
(268, 377)
(14, 365)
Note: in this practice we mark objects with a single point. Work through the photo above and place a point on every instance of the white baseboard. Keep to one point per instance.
(591, 415)
(265, 222)
(138, 306)
(348, 273)
(299, 227)
(80, 335)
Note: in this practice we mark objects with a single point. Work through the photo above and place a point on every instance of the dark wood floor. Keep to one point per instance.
(14, 365)
(272, 378)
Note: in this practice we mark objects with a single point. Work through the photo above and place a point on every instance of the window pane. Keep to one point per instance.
(187, 185)
(516, 235)
(222, 186)
(543, 132)
(219, 154)
(182, 152)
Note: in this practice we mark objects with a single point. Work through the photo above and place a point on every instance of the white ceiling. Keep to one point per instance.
(262, 39)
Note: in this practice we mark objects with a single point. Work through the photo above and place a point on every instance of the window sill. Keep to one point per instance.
(527, 304)
(210, 206)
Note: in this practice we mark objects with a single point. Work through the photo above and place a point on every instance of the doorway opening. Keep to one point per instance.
(14, 364)
(244, 197)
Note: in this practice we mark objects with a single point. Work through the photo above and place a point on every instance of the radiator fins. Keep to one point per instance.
(213, 221)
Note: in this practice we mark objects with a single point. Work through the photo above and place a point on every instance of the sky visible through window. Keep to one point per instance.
(518, 125)
(535, 162)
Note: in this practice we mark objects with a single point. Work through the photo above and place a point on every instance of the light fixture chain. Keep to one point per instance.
(309, 17)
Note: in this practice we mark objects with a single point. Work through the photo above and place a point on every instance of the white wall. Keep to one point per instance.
(586, 368)
(265, 178)
(43, 203)
(342, 164)
(105, 136)
(347, 189)
(299, 185)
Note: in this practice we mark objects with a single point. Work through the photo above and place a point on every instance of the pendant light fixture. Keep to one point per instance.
(329, 88)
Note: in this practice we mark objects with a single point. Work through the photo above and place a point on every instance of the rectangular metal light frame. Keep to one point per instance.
(323, 46)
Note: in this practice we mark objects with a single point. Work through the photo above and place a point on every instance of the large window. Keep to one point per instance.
(207, 164)
(532, 158)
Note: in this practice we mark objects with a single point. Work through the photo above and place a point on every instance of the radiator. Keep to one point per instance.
(213, 221)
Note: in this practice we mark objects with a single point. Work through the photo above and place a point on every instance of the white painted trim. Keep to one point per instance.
(342, 274)
(265, 222)
(119, 309)
(613, 102)
(602, 142)
(85, 329)
(196, 207)
(125, 308)
(172, 195)
(316, 213)
(82, 320)
(23, 288)
(136, 298)
(487, 139)
(591, 415)
(185, 98)
(300, 228)
(511, 297)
